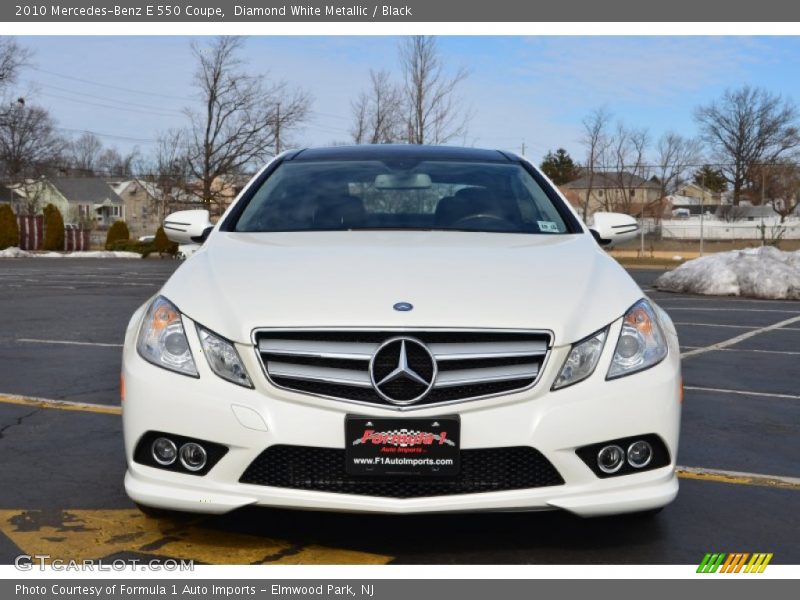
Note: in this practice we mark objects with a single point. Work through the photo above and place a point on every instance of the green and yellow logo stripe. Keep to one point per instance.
(736, 562)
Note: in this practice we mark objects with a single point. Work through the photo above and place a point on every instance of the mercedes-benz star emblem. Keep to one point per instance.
(402, 370)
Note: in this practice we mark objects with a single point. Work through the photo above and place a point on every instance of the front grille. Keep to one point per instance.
(470, 364)
(323, 470)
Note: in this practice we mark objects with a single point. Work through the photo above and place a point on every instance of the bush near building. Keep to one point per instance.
(9, 230)
(118, 232)
(53, 229)
(163, 245)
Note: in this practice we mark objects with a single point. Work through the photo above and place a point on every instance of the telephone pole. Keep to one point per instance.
(278, 129)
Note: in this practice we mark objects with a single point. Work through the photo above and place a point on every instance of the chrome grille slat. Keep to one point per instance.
(456, 351)
(321, 349)
(489, 374)
(313, 373)
(335, 363)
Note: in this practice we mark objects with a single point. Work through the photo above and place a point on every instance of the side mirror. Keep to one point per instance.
(188, 226)
(610, 229)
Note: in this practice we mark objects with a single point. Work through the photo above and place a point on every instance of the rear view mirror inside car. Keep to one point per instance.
(402, 181)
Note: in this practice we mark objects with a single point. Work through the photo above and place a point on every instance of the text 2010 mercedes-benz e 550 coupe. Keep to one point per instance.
(401, 329)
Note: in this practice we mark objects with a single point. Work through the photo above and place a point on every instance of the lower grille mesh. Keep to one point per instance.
(323, 470)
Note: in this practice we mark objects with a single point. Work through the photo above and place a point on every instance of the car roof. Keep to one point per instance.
(401, 152)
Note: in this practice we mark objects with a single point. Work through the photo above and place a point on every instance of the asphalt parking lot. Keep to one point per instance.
(61, 467)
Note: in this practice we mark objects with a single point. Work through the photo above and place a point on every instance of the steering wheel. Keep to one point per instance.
(495, 222)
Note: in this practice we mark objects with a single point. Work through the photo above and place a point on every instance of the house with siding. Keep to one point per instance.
(90, 201)
(615, 191)
(143, 212)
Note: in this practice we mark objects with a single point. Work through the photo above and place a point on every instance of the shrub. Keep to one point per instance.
(117, 232)
(9, 230)
(53, 228)
(163, 245)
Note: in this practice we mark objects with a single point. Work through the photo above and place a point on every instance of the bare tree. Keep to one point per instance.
(674, 155)
(595, 140)
(169, 172)
(28, 141)
(29, 145)
(628, 148)
(12, 58)
(378, 111)
(243, 119)
(777, 185)
(434, 111)
(84, 154)
(113, 163)
(747, 126)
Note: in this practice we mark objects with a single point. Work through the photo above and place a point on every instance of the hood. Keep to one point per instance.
(562, 283)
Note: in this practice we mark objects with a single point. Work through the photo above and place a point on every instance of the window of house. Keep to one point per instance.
(600, 193)
(633, 193)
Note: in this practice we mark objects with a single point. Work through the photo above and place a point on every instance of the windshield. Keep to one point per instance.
(447, 195)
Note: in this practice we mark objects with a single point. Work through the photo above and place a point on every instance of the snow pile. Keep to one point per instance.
(14, 253)
(764, 272)
(92, 254)
(17, 253)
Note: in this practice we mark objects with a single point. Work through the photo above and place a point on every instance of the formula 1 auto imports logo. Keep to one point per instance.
(734, 563)
(403, 438)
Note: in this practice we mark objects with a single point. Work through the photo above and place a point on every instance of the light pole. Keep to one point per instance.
(702, 207)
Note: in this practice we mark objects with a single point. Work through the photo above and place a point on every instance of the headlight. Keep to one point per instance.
(223, 358)
(581, 361)
(641, 341)
(162, 340)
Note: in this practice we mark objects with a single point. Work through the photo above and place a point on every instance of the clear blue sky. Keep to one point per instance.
(535, 89)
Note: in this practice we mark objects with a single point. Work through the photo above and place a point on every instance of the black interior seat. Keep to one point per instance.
(339, 212)
(473, 201)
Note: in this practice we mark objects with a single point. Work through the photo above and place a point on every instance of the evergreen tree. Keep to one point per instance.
(9, 230)
(559, 167)
(713, 179)
(53, 229)
(162, 244)
(116, 233)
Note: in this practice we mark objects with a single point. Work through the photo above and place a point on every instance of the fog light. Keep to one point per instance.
(164, 451)
(610, 459)
(193, 456)
(640, 454)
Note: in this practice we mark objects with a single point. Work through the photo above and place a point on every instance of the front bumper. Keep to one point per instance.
(248, 421)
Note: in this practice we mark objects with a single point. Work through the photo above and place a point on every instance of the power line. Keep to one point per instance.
(114, 100)
(108, 135)
(109, 106)
(112, 87)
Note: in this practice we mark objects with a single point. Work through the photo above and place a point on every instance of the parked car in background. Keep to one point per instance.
(401, 329)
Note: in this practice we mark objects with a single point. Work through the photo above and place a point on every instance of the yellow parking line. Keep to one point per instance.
(60, 404)
(739, 478)
(95, 534)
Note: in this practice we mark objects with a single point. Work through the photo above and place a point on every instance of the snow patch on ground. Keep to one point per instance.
(17, 253)
(764, 272)
(93, 254)
(14, 253)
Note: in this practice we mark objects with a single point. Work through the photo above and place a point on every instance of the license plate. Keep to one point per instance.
(402, 446)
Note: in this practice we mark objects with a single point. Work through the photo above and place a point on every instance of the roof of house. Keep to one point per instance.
(120, 186)
(84, 190)
(611, 180)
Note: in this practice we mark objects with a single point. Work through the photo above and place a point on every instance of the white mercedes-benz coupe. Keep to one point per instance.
(401, 329)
